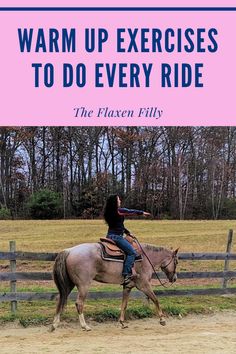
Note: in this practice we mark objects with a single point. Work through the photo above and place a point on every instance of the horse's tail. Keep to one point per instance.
(62, 280)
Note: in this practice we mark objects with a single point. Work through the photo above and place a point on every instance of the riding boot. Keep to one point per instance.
(130, 277)
(127, 279)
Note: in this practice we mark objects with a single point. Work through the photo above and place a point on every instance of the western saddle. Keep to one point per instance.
(110, 251)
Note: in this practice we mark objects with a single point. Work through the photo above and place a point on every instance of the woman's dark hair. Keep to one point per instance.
(111, 210)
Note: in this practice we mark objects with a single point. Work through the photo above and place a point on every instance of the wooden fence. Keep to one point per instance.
(13, 276)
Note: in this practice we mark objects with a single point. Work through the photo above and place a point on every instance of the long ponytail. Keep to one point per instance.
(111, 210)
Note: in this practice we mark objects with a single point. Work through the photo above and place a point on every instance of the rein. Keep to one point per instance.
(160, 281)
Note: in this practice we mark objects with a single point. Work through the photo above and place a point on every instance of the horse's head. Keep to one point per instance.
(169, 265)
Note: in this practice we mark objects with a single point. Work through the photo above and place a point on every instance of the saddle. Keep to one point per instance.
(111, 252)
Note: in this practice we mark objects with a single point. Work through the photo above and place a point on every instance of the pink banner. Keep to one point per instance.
(139, 73)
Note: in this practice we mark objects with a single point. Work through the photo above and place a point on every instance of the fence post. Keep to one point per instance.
(13, 282)
(228, 250)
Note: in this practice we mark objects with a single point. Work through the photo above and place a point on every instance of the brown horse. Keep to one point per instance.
(80, 265)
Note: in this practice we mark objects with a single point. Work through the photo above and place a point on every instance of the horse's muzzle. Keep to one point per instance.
(174, 278)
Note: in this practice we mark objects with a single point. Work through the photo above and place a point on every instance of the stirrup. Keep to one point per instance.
(128, 278)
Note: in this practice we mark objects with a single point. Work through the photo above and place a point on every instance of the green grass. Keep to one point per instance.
(53, 236)
(37, 313)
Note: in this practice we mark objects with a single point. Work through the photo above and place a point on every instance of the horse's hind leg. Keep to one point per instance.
(55, 323)
(80, 307)
(62, 299)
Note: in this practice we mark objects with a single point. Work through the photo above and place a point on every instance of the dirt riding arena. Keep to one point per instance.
(193, 334)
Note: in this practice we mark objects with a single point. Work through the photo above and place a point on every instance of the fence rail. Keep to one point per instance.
(43, 276)
(33, 256)
(13, 276)
(95, 295)
(30, 256)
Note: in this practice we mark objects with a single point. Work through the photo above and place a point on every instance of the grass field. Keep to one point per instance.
(53, 236)
(50, 236)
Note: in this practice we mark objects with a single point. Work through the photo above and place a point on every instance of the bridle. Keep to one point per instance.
(162, 267)
(173, 258)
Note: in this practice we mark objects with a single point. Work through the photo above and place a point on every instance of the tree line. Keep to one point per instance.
(173, 172)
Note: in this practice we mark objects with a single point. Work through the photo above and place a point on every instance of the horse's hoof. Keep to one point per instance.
(162, 322)
(86, 328)
(123, 325)
(51, 328)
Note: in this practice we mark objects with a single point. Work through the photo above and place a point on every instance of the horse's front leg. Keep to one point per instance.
(125, 299)
(147, 290)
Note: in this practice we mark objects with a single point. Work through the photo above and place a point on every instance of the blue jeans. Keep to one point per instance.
(129, 251)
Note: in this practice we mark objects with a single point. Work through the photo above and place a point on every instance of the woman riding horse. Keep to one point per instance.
(114, 217)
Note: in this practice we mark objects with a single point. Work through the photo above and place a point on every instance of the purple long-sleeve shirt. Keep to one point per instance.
(118, 227)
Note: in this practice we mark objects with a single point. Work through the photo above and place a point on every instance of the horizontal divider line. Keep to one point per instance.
(119, 9)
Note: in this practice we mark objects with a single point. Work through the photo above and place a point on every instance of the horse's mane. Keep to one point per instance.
(153, 247)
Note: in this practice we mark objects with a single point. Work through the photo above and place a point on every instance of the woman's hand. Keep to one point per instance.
(145, 213)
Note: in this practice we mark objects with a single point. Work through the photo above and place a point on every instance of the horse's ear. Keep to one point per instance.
(176, 251)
